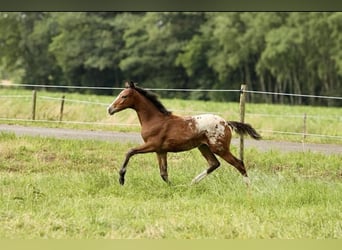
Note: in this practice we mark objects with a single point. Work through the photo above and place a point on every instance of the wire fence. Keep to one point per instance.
(294, 95)
(172, 89)
(272, 116)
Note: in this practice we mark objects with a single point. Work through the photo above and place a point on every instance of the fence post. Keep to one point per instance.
(304, 130)
(34, 101)
(62, 108)
(242, 116)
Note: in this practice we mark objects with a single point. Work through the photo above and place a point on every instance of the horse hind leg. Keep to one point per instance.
(238, 164)
(212, 161)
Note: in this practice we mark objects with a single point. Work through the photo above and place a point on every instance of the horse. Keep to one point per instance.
(164, 132)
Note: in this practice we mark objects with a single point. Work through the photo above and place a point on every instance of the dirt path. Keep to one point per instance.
(263, 145)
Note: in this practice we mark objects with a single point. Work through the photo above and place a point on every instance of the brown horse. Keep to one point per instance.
(164, 132)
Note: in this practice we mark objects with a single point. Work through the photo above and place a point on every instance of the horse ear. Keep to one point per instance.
(130, 85)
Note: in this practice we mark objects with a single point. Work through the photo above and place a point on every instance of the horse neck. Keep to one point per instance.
(147, 112)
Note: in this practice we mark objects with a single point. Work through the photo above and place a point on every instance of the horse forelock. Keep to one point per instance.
(152, 97)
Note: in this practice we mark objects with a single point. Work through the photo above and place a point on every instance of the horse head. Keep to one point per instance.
(124, 100)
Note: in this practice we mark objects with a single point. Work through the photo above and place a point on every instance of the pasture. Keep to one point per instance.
(56, 188)
(83, 111)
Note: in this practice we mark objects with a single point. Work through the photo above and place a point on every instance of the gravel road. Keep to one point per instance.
(262, 145)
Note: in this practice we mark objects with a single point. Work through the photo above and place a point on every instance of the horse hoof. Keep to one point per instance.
(122, 181)
(247, 181)
(193, 182)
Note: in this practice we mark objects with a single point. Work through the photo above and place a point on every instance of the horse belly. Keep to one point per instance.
(176, 146)
(182, 142)
(182, 137)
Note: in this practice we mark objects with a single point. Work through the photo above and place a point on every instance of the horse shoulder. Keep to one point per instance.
(159, 128)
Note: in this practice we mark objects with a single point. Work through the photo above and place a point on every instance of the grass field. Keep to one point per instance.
(54, 188)
(264, 117)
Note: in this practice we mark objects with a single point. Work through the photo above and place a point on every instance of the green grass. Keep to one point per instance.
(264, 117)
(54, 188)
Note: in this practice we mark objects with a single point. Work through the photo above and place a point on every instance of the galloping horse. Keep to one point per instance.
(164, 132)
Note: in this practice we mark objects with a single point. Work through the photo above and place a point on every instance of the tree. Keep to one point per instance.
(270, 51)
(152, 43)
(228, 48)
(24, 41)
(301, 55)
(87, 48)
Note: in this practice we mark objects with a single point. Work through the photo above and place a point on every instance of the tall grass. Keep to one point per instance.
(264, 117)
(53, 188)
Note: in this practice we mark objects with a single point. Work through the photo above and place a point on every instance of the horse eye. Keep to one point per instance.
(124, 96)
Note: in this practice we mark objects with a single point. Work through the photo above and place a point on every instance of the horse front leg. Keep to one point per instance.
(145, 148)
(122, 171)
(162, 160)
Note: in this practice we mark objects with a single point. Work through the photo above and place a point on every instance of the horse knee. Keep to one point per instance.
(130, 153)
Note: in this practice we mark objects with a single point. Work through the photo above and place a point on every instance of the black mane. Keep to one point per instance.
(152, 97)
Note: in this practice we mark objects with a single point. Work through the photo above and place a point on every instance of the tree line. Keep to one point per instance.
(292, 52)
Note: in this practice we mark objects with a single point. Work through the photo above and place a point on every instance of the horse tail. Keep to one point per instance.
(243, 129)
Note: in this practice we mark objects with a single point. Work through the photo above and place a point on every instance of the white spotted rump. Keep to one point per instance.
(212, 125)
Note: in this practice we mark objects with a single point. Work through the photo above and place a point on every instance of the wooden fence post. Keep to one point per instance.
(242, 116)
(34, 101)
(62, 108)
(304, 131)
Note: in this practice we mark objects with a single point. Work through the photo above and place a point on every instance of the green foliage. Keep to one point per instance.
(271, 51)
(305, 39)
(90, 50)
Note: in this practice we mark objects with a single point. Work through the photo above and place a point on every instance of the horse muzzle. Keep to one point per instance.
(111, 110)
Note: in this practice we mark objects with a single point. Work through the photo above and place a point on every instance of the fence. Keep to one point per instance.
(243, 91)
